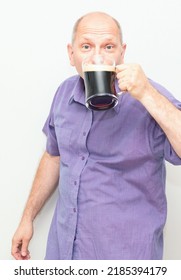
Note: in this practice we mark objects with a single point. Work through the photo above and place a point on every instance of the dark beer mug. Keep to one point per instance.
(99, 79)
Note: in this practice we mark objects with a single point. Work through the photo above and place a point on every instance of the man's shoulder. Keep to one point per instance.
(69, 82)
(66, 87)
(160, 88)
(165, 92)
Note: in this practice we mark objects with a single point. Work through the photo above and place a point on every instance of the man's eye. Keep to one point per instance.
(86, 47)
(109, 47)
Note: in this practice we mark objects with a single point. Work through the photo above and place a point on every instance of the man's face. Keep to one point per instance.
(96, 34)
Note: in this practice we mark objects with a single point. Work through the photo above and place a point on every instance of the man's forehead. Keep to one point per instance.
(91, 37)
(89, 29)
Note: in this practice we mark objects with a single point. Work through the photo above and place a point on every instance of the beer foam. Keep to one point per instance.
(90, 68)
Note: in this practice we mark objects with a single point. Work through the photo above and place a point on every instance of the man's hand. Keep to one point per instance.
(21, 241)
(45, 182)
(131, 78)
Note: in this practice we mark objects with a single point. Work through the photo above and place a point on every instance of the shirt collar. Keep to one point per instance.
(78, 93)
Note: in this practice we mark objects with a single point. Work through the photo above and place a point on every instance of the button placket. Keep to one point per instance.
(81, 146)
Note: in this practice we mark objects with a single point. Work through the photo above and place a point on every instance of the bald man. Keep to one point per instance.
(109, 165)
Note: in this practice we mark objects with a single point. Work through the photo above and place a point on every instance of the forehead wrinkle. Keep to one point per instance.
(92, 33)
(106, 36)
(103, 29)
(97, 26)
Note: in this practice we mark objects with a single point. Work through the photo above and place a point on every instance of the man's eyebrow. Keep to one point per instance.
(85, 39)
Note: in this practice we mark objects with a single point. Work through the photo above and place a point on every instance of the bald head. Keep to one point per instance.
(99, 18)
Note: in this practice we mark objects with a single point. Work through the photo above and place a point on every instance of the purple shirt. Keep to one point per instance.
(111, 202)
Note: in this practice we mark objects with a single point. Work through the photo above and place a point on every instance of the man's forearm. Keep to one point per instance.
(166, 115)
(44, 184)
(132, 79)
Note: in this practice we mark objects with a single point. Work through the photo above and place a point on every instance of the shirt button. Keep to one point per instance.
(82, 157)
(75, 183)
(84, 133)
(74, 209)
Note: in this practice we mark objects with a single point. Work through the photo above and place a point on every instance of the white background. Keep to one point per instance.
(33, 62)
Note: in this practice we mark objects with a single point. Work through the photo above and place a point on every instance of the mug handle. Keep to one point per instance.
(119, 93)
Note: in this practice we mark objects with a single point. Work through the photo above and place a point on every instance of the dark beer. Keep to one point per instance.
(100, 87)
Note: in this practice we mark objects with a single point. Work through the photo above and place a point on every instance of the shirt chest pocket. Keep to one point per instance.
(64, 143)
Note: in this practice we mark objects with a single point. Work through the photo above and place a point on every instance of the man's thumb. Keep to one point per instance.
(24, 248)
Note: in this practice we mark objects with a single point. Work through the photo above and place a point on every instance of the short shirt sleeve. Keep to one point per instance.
(170, 154)
(162, 141)
(49, 130)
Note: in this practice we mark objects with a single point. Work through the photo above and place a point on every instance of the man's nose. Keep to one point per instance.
(97, 51)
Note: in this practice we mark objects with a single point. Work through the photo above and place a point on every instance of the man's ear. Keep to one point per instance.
(70, 53)
(123, 52)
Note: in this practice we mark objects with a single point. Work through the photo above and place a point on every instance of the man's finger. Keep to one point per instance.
(121, 67)
(16, 247)
(24, 248)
